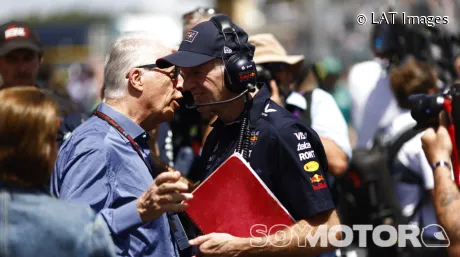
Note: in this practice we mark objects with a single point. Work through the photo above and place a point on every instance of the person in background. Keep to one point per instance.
(374, 106)
(437, 147)
(200, 14)
(33, 223)
(82, 86)
(411, 172)
(457, 65)
(329, 70)
(21, 55)
(325, 116)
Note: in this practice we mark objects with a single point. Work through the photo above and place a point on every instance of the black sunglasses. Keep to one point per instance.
(176, 71)
(276, 66)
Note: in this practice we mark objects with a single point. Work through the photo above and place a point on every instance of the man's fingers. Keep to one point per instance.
(167, 177)
(443, 119)
(167, 188)
(180, 207)
(428, 136)
(200, 240)
(174, 198)
(442, 132)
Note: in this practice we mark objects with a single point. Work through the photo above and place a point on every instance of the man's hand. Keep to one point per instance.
(437, 144)
(164, 195)
(275, 93)
(446, 197)
(216, 244)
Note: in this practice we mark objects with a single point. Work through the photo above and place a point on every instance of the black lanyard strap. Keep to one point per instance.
(136, 147)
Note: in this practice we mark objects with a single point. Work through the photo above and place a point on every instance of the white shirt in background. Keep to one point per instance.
(327, 120)
(373, 104)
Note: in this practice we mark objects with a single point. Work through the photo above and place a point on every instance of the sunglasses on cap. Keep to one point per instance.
(199, 12)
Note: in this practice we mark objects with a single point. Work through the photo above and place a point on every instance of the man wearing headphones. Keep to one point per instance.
(216, 61)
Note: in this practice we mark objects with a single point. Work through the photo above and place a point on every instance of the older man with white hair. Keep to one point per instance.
(106, 161)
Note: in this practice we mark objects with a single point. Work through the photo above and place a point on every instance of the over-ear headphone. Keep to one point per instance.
(240, 70)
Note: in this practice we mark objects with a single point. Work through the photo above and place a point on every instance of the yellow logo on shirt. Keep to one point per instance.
(311, 166)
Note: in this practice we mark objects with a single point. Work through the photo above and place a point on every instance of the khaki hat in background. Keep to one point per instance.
(269, 50)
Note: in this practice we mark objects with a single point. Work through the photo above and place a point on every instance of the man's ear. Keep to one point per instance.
(136, 80)
(40, 58)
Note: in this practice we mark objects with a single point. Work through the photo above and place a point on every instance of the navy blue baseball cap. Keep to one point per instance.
(205, 42)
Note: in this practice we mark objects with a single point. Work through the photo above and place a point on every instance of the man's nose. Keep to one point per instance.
(188, 85)
(180, 83)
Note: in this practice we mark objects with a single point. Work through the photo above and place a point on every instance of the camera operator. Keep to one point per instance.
(373, 104)
(326, 118)
(437, 146)
(411, 172)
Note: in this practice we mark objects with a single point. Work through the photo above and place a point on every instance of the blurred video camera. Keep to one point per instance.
(263, 76)
(430, 44)
(266, 73)
(426, 109)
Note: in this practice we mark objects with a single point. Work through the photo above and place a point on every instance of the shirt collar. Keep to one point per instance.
(258, 103)
(255, 109)
(133, 129)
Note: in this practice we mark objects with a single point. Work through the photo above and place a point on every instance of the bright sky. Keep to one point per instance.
(11, 9)
(162, 17)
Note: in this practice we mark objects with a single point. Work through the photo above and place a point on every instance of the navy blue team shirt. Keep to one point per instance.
(286, 154)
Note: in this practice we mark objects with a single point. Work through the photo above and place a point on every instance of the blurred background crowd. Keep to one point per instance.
(76, 35)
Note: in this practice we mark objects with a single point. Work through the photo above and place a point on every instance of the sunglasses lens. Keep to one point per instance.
(275, 67)
(200, 11)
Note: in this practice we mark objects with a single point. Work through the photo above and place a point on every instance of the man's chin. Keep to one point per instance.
(168, 115)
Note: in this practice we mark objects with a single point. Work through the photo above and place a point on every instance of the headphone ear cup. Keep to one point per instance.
(241, 72)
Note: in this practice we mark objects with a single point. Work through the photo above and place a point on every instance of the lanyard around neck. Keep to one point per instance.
(135, 146)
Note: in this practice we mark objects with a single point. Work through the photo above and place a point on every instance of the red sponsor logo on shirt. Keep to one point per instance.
(319, 186)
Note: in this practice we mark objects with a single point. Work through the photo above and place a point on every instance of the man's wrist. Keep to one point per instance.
(243, 245)
(441, 163)
(141, 210)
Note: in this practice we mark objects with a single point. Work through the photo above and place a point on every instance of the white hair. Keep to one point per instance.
(128, 51)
